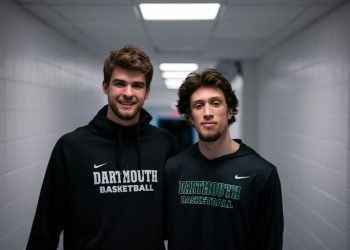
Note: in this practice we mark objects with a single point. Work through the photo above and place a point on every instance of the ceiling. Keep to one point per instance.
(244, 29)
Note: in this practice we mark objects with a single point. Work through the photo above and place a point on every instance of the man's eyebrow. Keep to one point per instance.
(197, 100)
(216, 98)
(209, 99)
(121, 80)
(117, 80)
(139, 82)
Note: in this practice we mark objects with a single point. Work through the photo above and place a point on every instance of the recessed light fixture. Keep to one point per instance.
(173, 83)
(177, 11)
(178, 66)
(175, 73)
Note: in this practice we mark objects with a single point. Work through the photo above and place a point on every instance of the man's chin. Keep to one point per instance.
(127, 116)
(209, 138)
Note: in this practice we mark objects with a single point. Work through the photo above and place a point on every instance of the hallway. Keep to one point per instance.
(294, 110)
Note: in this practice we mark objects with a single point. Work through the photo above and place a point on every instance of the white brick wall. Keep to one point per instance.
(48, 87)
(303, 128)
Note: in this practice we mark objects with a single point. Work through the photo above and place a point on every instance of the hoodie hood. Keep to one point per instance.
(124, 135)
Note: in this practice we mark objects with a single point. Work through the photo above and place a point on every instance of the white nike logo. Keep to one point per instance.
(240, 177)
(98, 166)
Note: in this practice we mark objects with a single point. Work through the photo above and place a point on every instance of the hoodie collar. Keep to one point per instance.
(243, 150)
(102, 124)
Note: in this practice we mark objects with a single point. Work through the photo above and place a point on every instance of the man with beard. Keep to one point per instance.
(220, 193)
(103, 184)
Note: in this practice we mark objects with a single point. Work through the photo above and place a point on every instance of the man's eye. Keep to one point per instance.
(216, 104)
(138, 86)
(198, 106)
(119, 84)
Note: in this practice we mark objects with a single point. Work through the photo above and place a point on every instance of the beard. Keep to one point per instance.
(125, 115)
(209, 138)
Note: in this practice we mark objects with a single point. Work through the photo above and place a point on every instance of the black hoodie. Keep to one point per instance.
(103, 188)
(229, 203)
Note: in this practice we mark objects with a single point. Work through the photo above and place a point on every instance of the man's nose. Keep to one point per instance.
(128, 91)
(208, 113)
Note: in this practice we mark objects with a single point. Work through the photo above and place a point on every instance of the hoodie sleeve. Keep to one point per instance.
(49, 216)
(270, 220)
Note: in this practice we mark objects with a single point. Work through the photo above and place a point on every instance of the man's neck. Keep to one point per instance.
(114, 118)
(222, 146)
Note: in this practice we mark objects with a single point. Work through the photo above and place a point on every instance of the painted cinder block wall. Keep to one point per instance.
(296, 101)
(48, 86)
(300, 115)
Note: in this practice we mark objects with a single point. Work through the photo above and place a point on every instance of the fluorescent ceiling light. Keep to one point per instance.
(178, 66)
(176, 11)
(173, 83)
(175, 74)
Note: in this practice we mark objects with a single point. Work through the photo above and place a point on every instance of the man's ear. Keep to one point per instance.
(105, 86)
(190, 119)
(147, 93)
(229, 113)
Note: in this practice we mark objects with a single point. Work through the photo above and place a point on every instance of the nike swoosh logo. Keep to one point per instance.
(98, 166)
(241, 177)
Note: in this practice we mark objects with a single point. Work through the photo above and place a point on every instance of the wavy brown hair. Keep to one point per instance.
(130, 58)
(206, 78)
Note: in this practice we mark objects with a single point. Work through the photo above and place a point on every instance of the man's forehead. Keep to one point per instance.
(207, 93)
(124, 74)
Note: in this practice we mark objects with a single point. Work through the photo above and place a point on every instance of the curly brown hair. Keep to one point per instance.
(128, 57)
(206, 78)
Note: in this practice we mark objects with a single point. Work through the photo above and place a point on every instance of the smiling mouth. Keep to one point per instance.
(127, 104)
